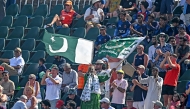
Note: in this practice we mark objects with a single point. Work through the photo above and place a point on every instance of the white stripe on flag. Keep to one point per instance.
(83, 51)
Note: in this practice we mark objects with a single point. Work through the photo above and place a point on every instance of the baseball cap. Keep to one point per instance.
(182, 26)
(99, 62)
(105, 59)
(59, 103)
(106, 100)
(71, 91)
(158, 103)
(68, 2)
(103, 27)
(2, 68)
(120, 71)
(5, 71)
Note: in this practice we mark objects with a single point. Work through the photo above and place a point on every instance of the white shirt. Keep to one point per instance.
(52, 90)
(96, 14)
(151, 51)
(19, 105)
(17, 61)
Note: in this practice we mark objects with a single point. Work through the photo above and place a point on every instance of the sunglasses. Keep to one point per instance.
(30, 78)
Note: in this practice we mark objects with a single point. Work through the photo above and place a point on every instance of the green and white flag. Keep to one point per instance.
(77, 50)
(119, 48)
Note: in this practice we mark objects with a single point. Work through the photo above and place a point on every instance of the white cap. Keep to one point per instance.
(106, 100)
(94, 1)
(99, 62)
(158, 103)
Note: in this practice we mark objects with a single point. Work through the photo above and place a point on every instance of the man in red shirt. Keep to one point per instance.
(171, 78)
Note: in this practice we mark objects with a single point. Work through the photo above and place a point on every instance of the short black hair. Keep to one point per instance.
(72, 104)
(46, 103)
(170, 38)
(183, 38)
(140, 15)
(175, 20)
(145, 4)
(43, 60)
(152, 16)
(163, 18)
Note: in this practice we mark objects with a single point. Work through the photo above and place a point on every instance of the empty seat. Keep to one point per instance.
(49, 29)
(76, 8)
(79, 32)
(48, 20)
(15, 79)
(37, 55)
(24, 81)
(79, 23)
(113, 20)
(18, 32)
(181, 86)
(50, 59)
(27, 10)
(4, 31)
(7, 21)
(42, 10)
(110, 31)
(185, 76)
(12, 10)
(92, 33)
(18, 94)
(29, 44)
(7, 54)
(31, 69)
(36, 22)
(56, 10)
(25, 55)
(84, 9)
(131, 57)
(64, 31)
(2, 44)
(21, 21)
(13, 43)
(33, 33)
(40, 46)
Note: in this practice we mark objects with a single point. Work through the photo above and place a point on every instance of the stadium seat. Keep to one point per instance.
(31, 69)
(15, 79)
(4, 31)
(110, 31)
(92, 33)
(56, 10)
(33, 33)
(64, 31)
(84, 9)
(21, 21)
(79, 32)
(42, 90)
(40, 46)
(76, 8)
(181, 86)
(2, 44)
(131, 57)
(79, 23)
(7, 54)
(25, 55)
(48, 20)
(48, 65)
(12, 10)
(13, 43)
(29, 44)
(113, 20)
(49, 29)
(185, 76)
(50, 59)
(42, 10)
(36, 22)
(18, 94)
(7, 21)
(18, 32)
(27, 10)
(24, 80)
(35, 58)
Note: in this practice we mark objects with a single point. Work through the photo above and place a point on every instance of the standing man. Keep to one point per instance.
(154, 83)
(172, 74)
(119, 87)
(16, 63)
(166, 8)
(53, 85)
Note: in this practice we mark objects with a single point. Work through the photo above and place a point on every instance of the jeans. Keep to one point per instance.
(117, 106)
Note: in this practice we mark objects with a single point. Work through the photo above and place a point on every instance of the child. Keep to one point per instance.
(183, 100)
(175, 103)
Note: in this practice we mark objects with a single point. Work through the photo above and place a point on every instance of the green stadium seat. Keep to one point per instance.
(4, 31)
(181, 86)
(130, 58)
(49, 29)
(18, 32)
(84, 9)
(113, 20)
(27, 10)
(31, 69)
(48, 65)
(50, 59)
(42, 90)
(15, 79)
(25, 55)
(48, 20)
(33, 33)
(18, 94)
(21, 21)
(35, 58)
(56, 10)
(92, 33)
(80, 23)
(36, 22)
(8, 54)
(7, 21)
(12, 10)
(13, 43)
(29, 44)
(79, 32)
(110, 31)
(24, 80)
(64, 31)
(185, 76)
(2, 44)
(40, 46)
(76, 8)
(42, 10)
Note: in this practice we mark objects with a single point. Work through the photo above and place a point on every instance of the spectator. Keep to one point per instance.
(53, 85)
(140, 58)
(187, 91)
(156, 8)
(174, 26)
(105, 104)
(1, 71)
(71, 105)
(183, 54)
(32, 102)
(170, 81)
(172, 41)
(160, 50)
(59, 61)
(163, 27)
(128, 5)
(72, 96)
(129, 102)
(183, 101)
(112, 7)
(166, 8)
(34, 84)
(7, 84)
(175, 102)
(42, 66)
(21, 104)
(152, 25)
(140, 90)
(157, 105)
(144, 10)
(94, 15)
(70, 78)
(16, 63)
(182, 33)
(119, 87)
(46, 104)
(3, 97)
(60, 104)
(122, 27)
(139, 28)
(186, 13)
(2, 9)
(154, 83)
(66, 17)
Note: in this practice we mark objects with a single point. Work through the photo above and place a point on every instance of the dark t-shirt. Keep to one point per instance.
(182, 51)
(157, 4)
(188, 9)
(76, 100)
(127, 3)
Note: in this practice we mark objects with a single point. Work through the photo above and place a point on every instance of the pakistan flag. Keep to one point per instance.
(119, 48)
(77, 50)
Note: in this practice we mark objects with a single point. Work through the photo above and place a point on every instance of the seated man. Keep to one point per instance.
(94, 15)
(16, 63)
(66, 17)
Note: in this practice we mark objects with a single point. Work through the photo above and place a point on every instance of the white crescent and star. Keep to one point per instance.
(62, 49)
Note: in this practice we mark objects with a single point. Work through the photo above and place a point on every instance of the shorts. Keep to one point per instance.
(138, 104)
(168, 90)
(92, 23)
(166, 7)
